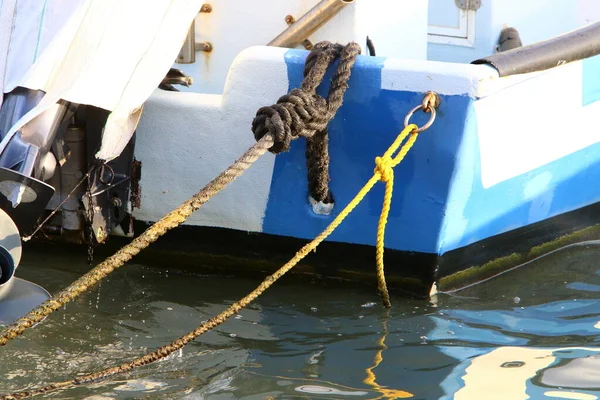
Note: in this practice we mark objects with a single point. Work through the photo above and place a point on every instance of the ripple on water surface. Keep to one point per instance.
(531, 333)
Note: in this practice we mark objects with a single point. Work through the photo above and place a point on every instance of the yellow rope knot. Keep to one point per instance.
(384, 171)
(383, 167)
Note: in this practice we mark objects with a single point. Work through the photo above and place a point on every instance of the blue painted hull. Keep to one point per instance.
(440, 203)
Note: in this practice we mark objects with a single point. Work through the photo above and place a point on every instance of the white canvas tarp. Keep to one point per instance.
(110, 54)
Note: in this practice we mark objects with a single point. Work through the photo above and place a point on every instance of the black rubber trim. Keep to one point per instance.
(575, 45)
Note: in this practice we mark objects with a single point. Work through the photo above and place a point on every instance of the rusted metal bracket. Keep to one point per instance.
(187, 54)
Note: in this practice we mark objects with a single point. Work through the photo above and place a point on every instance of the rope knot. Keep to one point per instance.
(302, 112)
(384, 166)
(297, 113)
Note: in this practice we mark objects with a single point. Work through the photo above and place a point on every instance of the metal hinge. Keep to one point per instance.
(468, 5)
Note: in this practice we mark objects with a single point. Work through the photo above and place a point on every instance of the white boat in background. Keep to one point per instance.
(152, 101)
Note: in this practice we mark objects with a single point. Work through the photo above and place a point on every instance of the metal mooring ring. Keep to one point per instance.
(417, 108)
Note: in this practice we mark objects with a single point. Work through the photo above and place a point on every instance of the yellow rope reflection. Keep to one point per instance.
(371, 379)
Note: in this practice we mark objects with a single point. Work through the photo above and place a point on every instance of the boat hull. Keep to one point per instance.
(504, 156)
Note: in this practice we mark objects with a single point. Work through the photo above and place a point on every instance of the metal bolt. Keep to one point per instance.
(116, 202)
(289, 19)
(204, 46)
(307, 44)
(206, 8)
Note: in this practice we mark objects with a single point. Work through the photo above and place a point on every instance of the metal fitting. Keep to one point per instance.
(204, 46)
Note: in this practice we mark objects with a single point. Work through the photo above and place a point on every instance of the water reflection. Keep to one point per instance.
(529, 334)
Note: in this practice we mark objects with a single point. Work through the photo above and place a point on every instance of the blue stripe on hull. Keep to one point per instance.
(475, 213)
(364, 127)
(569, 183)
(439, 201)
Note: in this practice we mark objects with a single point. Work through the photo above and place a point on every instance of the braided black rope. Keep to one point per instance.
(302, 112)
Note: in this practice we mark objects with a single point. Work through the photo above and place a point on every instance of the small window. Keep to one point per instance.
(448, 24)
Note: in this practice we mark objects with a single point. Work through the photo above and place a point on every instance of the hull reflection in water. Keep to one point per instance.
(528, 334)
(528, 373)
(533, 336)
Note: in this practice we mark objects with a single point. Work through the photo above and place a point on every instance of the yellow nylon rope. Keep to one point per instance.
(384, 171)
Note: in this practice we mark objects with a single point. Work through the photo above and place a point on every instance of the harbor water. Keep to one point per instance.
(530, 333)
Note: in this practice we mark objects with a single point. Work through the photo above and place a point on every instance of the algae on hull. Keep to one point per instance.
(478, 273)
